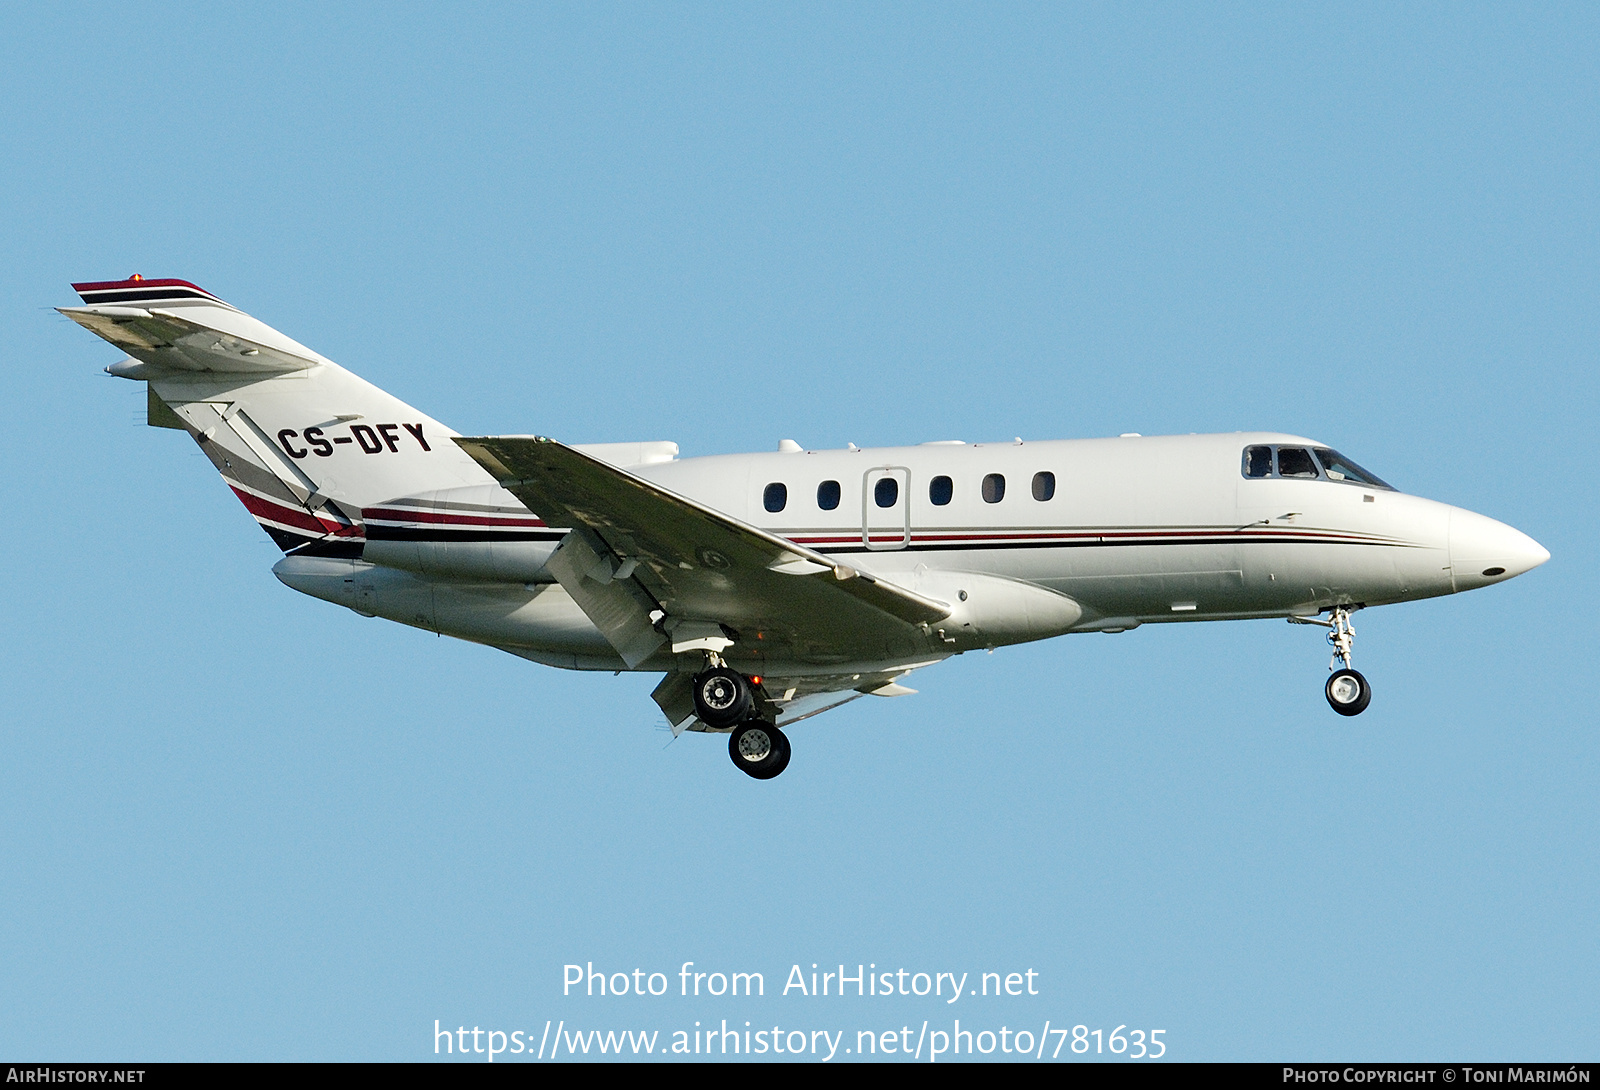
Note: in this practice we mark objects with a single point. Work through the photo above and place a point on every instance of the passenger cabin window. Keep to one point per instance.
(828, 495)
(1044, 486)
(1258, 461)
(994, 488)
(1295, 462)
(886, 492)
(775, 498)
(940, 489)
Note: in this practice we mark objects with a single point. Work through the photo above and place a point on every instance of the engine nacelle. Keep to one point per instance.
(486, 561)
(991, 610)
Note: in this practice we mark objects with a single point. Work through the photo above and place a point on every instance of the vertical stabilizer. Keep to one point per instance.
(302, 442)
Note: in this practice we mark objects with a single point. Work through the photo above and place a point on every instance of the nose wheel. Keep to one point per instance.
(759, 749)
(1347, 690)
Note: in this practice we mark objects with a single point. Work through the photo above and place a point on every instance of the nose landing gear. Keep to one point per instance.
(1347, 690)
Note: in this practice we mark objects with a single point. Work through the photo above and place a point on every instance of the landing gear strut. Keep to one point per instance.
(1347, 691)
(759, 749)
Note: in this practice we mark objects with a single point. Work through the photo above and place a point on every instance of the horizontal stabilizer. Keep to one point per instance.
(173, 325)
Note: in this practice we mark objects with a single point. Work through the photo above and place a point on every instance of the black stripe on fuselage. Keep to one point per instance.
(287, 540)
(1230, 539)
(342, 549)
(437, 534)
(406, 533)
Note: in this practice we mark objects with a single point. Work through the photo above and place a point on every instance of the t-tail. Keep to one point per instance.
(303, 443)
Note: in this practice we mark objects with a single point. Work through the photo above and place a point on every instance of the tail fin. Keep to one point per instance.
(302, 442)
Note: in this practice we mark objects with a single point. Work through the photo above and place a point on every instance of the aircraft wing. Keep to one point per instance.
(649, 566)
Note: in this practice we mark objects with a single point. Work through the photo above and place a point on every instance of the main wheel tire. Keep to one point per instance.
(759, 749)
(721, 696)
(783, 756)
(1348, 692)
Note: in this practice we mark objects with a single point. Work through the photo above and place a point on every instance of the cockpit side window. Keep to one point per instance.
(1340, 468)
(1258, 461)
(1296, 462)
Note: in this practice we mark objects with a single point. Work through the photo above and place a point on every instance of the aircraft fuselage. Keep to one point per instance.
(1026, 540)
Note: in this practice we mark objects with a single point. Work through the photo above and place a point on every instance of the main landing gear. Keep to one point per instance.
(723, 699)
(1348, 692)
(759, 749)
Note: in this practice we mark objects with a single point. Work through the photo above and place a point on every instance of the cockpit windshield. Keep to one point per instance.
(1340, 468)
(1307, 463)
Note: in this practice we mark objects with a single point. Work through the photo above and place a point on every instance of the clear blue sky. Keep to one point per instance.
(242, 823)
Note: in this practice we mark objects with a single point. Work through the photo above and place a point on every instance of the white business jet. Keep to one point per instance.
(770, 587)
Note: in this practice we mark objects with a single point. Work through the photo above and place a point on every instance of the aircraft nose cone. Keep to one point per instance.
(1483, 551)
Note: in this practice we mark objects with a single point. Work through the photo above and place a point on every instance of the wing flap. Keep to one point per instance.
(615, 606)
(789, 699)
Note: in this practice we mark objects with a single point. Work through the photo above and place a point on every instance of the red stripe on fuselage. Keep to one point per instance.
(390, 514)
(297, 518)
(1220, 535)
